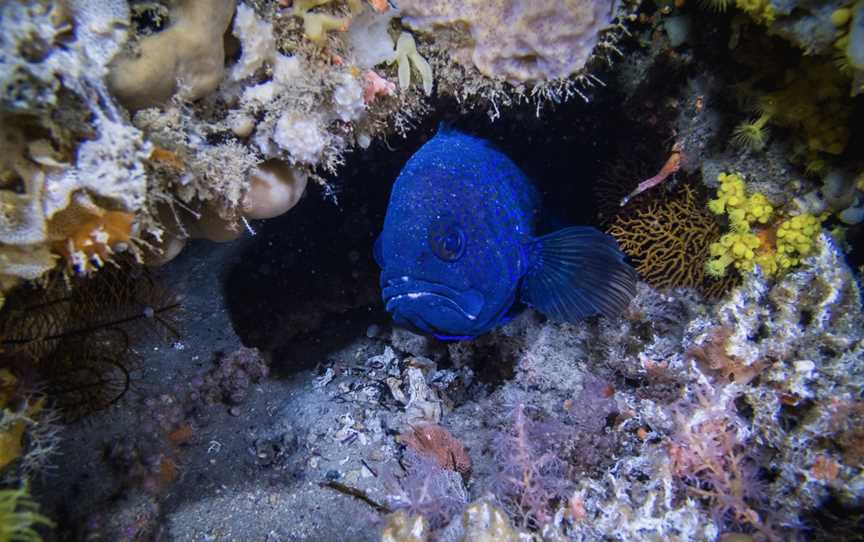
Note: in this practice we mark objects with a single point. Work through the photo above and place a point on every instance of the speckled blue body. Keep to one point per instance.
(458, 239)
(458, 179)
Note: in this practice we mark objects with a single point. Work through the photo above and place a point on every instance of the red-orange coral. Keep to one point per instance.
(437, 443)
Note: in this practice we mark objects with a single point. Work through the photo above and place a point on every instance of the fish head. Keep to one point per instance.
(450, 248)
(427, 278)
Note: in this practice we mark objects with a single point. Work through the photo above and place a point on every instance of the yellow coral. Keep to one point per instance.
(796, 238)
(742, 210)
(775, 249)
(738, 249)
(316, 25)
(811, 100)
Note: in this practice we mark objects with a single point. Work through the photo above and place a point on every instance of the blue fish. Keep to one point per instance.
(458, 252)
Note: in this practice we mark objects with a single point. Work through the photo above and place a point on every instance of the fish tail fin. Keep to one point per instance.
(578, 272)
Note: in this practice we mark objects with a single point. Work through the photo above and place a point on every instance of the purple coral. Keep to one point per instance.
(532, 476)
(539, 453)
(427, 490)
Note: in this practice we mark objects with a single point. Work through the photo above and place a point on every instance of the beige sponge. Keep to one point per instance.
(274, 188)
(188, 56)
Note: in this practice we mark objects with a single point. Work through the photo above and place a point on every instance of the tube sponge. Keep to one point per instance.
(516, 41)
(406, 55)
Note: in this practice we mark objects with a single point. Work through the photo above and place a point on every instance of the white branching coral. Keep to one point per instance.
(348, 99)
(256, 41)
(301, 136)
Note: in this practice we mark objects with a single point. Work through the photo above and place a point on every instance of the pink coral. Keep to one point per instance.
(375, 86)
(709, 456)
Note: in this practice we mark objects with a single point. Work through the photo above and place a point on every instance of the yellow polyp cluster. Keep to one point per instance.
(742, 210)
(753, 241)
(760, 11)
(796, 238)
(738, 249)
(751, 135)
(811, 100)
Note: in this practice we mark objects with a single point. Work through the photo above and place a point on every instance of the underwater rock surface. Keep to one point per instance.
(193, 344)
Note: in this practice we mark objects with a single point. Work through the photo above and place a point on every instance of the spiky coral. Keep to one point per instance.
(19, 514)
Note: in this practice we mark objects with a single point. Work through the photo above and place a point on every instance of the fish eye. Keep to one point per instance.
(446, 238)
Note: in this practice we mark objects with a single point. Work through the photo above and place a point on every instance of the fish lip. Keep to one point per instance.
(404, 287)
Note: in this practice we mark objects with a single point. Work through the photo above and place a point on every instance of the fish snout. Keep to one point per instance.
(430, 306)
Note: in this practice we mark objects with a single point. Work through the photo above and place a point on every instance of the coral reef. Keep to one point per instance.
(723, 404)
(73, 166)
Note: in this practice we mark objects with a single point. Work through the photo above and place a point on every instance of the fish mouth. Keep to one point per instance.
(402, 289)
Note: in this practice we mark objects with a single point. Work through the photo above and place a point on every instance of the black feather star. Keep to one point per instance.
(75, 336)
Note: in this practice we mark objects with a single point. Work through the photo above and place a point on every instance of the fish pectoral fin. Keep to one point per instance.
(378, 252)
(577, 272)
